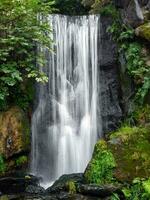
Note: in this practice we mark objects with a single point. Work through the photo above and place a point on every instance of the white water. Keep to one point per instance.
(64, 124)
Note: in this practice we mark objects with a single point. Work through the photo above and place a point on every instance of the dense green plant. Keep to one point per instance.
(109, 10)
(96, 5)
(138, 69)
(139, 190)
(2, 165)
(21, 160)
(70, 7)
(136, 61)
(115, 197)
(21, 31)
(140, 116)
(100, 169)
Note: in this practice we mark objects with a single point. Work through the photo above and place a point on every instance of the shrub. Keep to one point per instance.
(100, 168)
(21, 161)
(138, 190)
(21, 32)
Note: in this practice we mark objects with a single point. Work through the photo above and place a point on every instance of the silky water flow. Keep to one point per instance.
(65, 124)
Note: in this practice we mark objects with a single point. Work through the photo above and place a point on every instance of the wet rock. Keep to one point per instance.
(63, 196)
(121, 3)
(96, 190)
(32, 189)
(61, 183)
(143, 2)
(110, 98)
(14, 185)
(132, 15)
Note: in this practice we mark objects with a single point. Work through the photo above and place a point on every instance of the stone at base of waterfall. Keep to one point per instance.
(98, 190)
(61, 183)
(60, 196)
(17, 185)
(32, 189)
(67, 182)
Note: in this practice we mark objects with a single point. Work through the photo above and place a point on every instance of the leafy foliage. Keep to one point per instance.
(115, 197)
(96, 5)
(100, 169)
(109, 10)
(21, 160)
(21, 31)
(136, 60)
(70, 7)
(140, 116)
(139, 190)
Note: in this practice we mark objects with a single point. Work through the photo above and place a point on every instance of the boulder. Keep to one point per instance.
(61, 183)
(15, 185)
(131, 150)
(97, 190)
(14, 132)
(123, 158)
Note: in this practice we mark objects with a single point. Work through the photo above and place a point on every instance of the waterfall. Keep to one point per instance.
(65, 125)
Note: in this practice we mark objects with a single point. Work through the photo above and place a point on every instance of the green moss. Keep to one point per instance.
(124, 132)
(4, 197)
(21, 160)
(123, 158)
(144, 31)
(131, 149)
(100, 169)
(71, 187)
(2, 165)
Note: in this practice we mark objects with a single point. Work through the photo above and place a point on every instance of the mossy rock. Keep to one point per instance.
(131, 149)
(14, 132)
(123, 158)
(144, 31)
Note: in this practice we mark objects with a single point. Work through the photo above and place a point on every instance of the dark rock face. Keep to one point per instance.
(143, 2)
(131, 11)
(127, 86)
(133, 15)
(121, 3)
(110, 95)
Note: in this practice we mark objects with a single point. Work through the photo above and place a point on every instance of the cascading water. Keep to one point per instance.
(64, 124)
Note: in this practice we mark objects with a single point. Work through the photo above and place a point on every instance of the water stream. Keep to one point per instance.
(65, 125)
